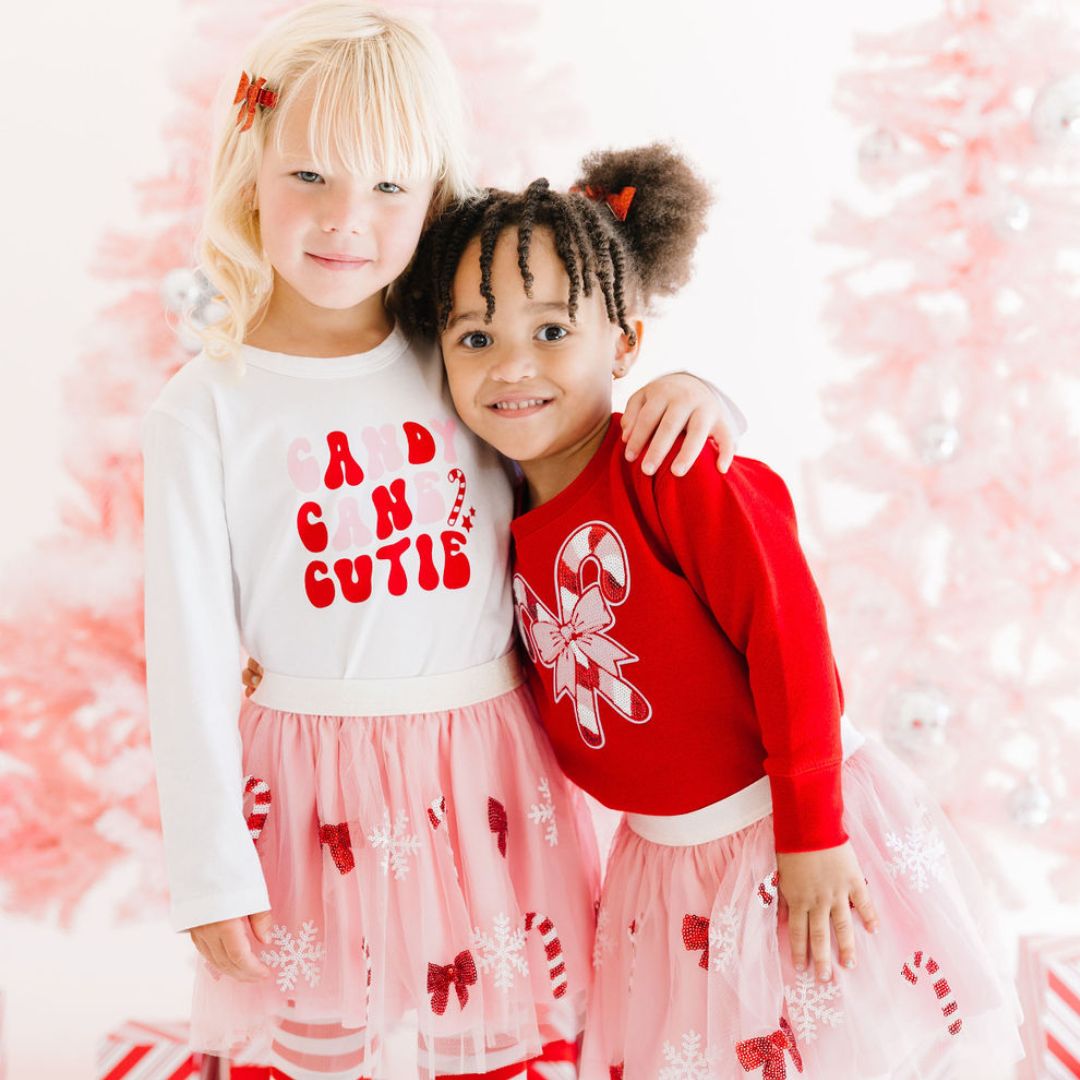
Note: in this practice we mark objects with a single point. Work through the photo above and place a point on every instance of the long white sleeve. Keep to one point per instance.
(193, 678)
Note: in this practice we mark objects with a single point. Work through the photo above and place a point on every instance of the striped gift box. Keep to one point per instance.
(1049, 979)
(140, 1051)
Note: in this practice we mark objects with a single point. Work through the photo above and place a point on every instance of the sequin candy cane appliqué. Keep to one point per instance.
(585, 659)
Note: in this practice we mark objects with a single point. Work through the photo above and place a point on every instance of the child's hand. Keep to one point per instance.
(666, 408)
(252, 676)
(819, 887)
(226, 945)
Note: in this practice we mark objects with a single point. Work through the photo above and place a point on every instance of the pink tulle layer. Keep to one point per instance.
(926, 998)
(433, 870)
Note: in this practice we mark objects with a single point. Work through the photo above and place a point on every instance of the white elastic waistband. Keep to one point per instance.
(727, 816)
(389, 697)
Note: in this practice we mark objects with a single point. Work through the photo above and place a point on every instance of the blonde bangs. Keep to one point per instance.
(375, 114)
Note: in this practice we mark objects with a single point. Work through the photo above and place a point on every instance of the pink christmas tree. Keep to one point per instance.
(956, 599)
(79, 801)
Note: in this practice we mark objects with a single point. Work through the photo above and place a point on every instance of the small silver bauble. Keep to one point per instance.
(181, 289)
(1015, 217)
(1055, 113)
(1030, 804)
(918, 717)
(938, 442)
(878, 147)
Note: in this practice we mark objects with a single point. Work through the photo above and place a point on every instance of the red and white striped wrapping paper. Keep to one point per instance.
(1049, 985)
(147, 1051)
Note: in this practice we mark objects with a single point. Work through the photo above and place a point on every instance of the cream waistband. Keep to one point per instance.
(727, 816)
(389, 697)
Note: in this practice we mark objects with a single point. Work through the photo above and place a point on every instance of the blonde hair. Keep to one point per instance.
(384, 100)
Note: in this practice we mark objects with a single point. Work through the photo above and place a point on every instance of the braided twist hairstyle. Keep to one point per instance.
(647, 255)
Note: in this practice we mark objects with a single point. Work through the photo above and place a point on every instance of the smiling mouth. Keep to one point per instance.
(524, 407)
(339, 262)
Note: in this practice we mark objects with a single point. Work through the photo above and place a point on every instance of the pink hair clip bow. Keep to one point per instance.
(252, 92)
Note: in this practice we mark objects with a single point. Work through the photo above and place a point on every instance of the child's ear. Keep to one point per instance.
(627, 347)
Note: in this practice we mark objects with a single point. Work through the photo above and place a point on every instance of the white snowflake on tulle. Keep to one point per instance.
(809, 1004)
(501, 952)
(689, 1063)
(919, 854)
(603, 942)
(396, 845)
(543, 813)
(295, 956)
(722, 938)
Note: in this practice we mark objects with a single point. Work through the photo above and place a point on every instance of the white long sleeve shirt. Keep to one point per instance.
(332, 517)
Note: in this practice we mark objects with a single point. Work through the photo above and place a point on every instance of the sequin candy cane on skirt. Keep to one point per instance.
(940, 986)
(257, 818)
(553, 950)
(586, 661)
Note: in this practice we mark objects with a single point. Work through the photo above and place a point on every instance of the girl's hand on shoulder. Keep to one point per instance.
(822, 888)
(252, 676)
(657, 414)
(226, 945)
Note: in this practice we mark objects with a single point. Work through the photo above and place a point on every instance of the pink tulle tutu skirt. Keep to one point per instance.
(430, 870)
(693, 969)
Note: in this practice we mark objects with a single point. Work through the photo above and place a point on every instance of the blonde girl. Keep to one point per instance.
(380, 839)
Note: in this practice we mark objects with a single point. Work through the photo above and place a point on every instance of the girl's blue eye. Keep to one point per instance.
(305, 176)
(387, 187)
(551, 332)
(476, 339)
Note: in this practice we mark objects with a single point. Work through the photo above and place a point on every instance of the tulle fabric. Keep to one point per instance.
(657, 1013)
(431, 802)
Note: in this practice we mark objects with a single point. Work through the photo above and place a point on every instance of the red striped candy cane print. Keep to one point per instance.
(436, 811)
(586, 661)
(940, 986)
(257, 818)
(552, 949)
(456, 476)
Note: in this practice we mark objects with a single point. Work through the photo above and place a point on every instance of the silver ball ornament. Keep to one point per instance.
(1055, 113)
(918, 718)
(938, 442)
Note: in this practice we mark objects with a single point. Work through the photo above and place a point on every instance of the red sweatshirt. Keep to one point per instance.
(679, 643)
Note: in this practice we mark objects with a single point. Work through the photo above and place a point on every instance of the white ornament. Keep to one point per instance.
(810, 1003)
(543, 813)
(502, 953)
(938, 442)
(1014, 217)
(689, 1062)
(918, 719)
(396, 845)
(878, 147)
(1055, 114)
(1030, 804)
(919, 855)
(295, 957)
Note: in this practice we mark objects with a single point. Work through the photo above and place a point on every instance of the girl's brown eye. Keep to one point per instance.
(476, 340)
(551, 332)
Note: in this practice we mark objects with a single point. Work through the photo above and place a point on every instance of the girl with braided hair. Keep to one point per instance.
(779, 885)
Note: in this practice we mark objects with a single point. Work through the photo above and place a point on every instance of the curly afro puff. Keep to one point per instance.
(647, 255)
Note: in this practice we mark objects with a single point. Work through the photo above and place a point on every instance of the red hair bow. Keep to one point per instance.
(461, 973)
(252, 92)
(618, 202)
(768, 1050)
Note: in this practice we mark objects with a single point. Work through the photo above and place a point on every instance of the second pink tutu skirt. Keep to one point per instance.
(430, 869)
(694, 979)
